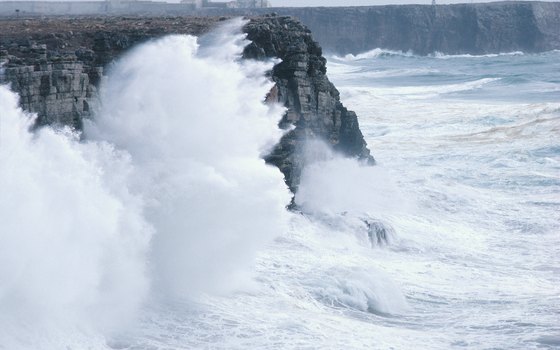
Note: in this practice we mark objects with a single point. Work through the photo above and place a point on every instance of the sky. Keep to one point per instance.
(330, 2)
(281, 3)
(361, 2)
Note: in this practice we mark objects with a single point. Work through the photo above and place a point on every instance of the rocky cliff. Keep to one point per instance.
(56, 65)
(452, 29)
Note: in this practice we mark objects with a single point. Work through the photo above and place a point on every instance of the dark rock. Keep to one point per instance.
(56, 64)
(313, 103)
(85, 55)
(55, 91)
(378, 233)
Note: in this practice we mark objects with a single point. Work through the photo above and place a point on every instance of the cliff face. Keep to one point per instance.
(57, 92)
(56, 66)
(452, 29)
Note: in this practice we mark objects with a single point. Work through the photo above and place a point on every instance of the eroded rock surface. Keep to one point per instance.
(56, 64)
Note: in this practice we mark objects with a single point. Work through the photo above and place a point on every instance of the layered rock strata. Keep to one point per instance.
(56, 66)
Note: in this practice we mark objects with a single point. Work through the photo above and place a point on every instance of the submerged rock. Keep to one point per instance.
(378, 232)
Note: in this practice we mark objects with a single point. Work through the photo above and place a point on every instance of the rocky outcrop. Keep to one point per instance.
(56, 66)
(313, 103)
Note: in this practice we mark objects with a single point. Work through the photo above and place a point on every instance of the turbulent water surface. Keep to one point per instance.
(166, 230)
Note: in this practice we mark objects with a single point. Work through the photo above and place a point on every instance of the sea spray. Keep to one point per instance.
(174, 155)
(194, 125)
(332, 183)
(346, 199)
(168, 194)
(73, 238)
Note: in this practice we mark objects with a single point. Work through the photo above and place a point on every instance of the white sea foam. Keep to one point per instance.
(337, 68)
(197, 142)
(332, 183)
(369, 291)
(424, 92)
(375, 53)
(440, 55)
(380, 53)
(399, 72)
(73, 237)
(481, 168)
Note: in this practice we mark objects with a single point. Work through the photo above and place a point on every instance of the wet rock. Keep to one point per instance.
(313, 103)
(56, 91)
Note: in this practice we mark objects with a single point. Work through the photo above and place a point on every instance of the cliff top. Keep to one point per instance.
(63, 37)
(11, 27)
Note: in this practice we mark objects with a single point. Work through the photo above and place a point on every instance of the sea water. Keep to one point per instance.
(166, 230)
(473, 141)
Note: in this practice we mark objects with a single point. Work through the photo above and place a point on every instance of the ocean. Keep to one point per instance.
(161, 227)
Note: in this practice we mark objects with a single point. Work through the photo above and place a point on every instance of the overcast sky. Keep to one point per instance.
(339, 2)
(330, 2)
(362, 2)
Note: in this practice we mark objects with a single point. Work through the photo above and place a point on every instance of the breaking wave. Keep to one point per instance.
(161, 227)
(386, 53)
(165, 201)
(443, 56)
(375, 53)
(168, 197)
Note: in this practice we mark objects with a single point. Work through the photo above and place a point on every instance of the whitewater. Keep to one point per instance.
(161, 227)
